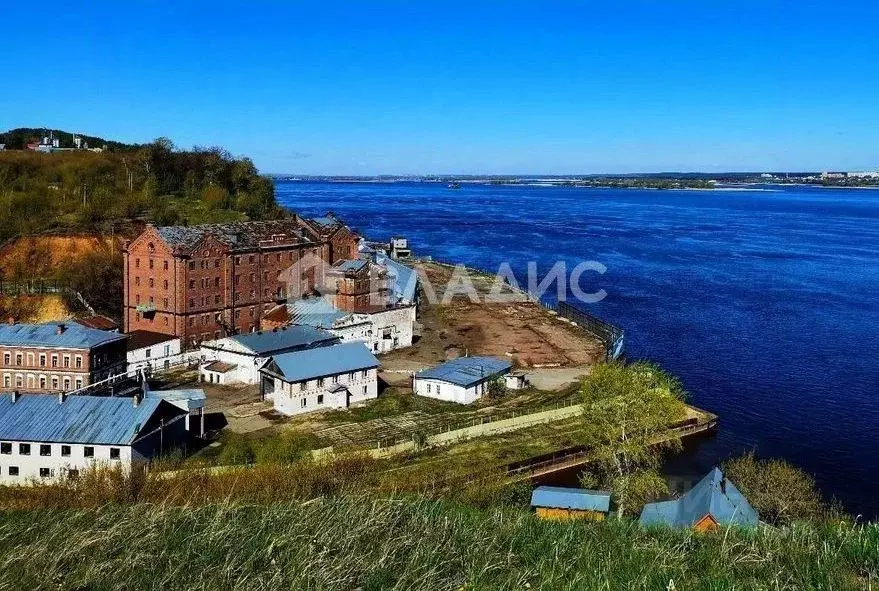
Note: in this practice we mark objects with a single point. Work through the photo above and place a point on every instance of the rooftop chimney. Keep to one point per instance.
(15, 395)
(62, 396)
(61, 328)
(10, 320)
(136, 400)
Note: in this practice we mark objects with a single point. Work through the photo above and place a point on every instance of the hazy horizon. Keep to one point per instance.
(345, 88)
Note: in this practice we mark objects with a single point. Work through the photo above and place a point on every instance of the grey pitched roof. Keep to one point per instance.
(466, 371)
(284, 339)
(404, 280)
(324, 361)
(74, 335)
(315, 312)
(237, 235)
(713, 495)
(79, 419)
(556, 497)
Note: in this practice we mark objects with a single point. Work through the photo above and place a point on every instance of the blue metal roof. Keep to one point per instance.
(74, 335)
(556, 497)
(404, 280)
(466, 371)
(188, 398)
(283, 339)
(316, 312)
(79, 419)
(713, 495)
(325, 361)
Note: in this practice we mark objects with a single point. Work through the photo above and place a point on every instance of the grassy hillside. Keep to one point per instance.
(363, 543)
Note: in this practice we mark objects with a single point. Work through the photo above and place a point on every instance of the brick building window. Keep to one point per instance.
(192, 303)
(192, 265)
(165, 265)
(192, 284)
(151, 263)
(137, 280)
(216, 282)
(137, 263)
(151, 282)
(165, 284)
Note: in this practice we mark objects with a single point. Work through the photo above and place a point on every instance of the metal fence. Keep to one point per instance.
(32, 287)
(613, 337)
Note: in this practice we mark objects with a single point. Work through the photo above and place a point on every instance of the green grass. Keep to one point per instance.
(365, 543)
(393, 402)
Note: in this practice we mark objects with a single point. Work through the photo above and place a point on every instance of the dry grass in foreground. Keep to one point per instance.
(357, 542)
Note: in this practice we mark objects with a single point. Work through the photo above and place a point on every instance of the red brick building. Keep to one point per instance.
(358, 285)
(57, 356)
(206, 282)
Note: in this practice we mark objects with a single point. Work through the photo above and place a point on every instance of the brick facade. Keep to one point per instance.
(50, 369)
(207, 282)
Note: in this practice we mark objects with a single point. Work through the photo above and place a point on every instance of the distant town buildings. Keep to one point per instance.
(57, 357)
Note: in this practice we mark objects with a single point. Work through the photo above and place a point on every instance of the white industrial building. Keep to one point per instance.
(380, 330)
(465, 379)
(316, 379)
(238, 359)
(45, 437)
(152, 350)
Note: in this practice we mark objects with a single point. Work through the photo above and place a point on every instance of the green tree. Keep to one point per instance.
(627, 412)
(497, 388)
(779, 491)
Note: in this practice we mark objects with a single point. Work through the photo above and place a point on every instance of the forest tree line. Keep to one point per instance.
(93, 192)
(115, 192)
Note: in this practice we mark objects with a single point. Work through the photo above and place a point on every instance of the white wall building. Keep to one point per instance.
(240, 357)
(465, 379)
(317, 379)
(382, 331)
(153, 350)
(45, 437)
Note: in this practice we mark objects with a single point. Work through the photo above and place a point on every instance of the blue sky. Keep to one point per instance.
(447, 87)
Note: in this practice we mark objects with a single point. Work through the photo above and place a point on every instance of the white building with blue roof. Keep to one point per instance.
(316, 379)
(238, 358)
(465, 379)
(45, 436)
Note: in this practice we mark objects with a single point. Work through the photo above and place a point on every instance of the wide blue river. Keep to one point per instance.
(764, 302)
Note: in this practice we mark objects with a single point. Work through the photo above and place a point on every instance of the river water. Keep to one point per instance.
(764, 302)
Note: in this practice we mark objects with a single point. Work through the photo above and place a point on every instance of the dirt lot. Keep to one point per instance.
(518, 329)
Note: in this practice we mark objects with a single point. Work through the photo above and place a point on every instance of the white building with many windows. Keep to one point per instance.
(317, 379)
(238, 359)
(44, 437)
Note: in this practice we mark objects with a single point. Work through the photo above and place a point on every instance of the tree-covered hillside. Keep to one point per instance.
(87, 191)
